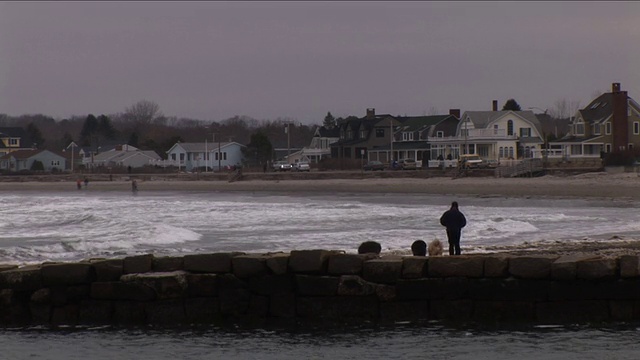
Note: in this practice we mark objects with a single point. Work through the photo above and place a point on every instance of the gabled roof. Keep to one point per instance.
(416, 123)
(481, 119)
(26, 154)
(202, 147)
(598, 110)
(16, 132)
(322, 131)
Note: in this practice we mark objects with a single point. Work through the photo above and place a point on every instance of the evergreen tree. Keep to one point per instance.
(512, 105)
(89, 130)
(329, 121)
(134, 139)
(259, 148)
(35, 135)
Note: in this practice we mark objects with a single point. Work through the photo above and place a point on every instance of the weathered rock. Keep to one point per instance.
(167, 285)
(353, 285)
(597, 269)
(65, 315)
(272, 284)
(563, 312)
(496, 266)
(339, 308)
(564, 268)
(420, 289)
(531, 267)
(122, 291)
(22, 279)
(168, 263)
(210, 263)
(234, 302)
(129, 313)
(309, 261)
(504, 311)
(41, 296)
(455, 266)
(202, 285)
(317, 285)
(414, 267)
(137, 264)
(386, 292)
(165, 312)
(278, 263)
(7, 297)
(245, 266)
(283, 305)
(67, 274)
(404, 311)
(95, 312)
(629, 266)
(348, 264)
(108, 270)
(382, 271)
(202, 310)
(258, 306)
(456, 310)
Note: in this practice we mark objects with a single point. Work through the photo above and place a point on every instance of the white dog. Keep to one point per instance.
(435, 248)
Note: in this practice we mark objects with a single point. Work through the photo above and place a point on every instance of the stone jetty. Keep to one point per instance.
(321, 285)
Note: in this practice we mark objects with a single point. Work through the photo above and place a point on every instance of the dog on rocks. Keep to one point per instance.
(435, 248)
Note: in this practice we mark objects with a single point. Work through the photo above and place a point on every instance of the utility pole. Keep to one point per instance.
(391, 142)
(286, 130)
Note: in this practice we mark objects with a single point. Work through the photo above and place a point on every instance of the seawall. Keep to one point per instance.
(321, 285)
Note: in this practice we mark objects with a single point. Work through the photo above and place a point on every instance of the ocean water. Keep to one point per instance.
(87, 224)
(74, 226)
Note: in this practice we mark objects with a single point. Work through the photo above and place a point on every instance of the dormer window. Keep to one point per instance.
(595, 105)
(440, 134)
(14, 142)
(363, 134)
(407, 136)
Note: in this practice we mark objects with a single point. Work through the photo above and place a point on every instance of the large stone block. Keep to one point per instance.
(283, 305)
(65, 315)
(496, 266)
(245, 266)
(531, 267)
(455, 310)
(165, 312)
(577, 290)
(129, 313)
(62, 295)
(167, 285)
(309, 261)
(504, 311)
(597, 269)
(564, 268)
(629, 266)
(67, 274)
(404, 311)
(353, 285)
(382, 271)
(95, 312)
(168, 263)
(567, 312)
(510, 289)
(414, 267)
(622, 310)
(339, 308)
(108, 270)
(272, 284)
(348, 264)
(278, 263)
(202, 310)
(137, 264)
(386, 292)
(122, 291)
(317, 285)
(420, 289)
(202, 285)
(258, 307)
(39, 314)
(26, 278)
(209, 263)
(456, 266)
(234, 302)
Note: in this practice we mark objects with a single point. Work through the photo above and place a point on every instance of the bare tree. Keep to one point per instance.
(433, 110)
(143, 113)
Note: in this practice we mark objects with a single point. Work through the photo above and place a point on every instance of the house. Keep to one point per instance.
(216, 156)
(25, 159)
(88, 154)
(609, 123)
(498, 134)
(14, 139)
(125, 158)
(319, 148)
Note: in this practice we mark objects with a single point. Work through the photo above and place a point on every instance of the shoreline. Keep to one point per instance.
(593, 185)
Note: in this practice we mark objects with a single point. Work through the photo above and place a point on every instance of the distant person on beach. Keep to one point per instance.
(454, 221)
(86, 181)
(79, 184)
(419, 248)
(369, 247)
(134, 186)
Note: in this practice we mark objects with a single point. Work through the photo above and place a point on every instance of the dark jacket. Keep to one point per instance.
(453, 219)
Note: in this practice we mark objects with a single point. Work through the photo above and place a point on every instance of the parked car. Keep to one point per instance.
(470, 161)
(408, 164)
(373, 166)
(302, 166)
(281, 166)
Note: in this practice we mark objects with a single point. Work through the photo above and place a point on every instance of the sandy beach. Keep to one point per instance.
(589, 185)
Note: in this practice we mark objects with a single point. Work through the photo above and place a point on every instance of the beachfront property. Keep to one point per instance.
(318, 149)
(14, 139)
(119, 155)
(25, 160)
(609, 123)
(216, 156)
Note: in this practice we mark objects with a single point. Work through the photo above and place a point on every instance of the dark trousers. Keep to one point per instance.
(453, 235)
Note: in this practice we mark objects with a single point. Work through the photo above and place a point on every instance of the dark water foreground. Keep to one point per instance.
(431, 340)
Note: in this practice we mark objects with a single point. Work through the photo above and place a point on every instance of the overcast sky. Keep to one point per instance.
(215, 60)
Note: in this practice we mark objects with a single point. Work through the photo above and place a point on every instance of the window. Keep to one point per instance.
(363, 134)
(407, 136)
(349, 135)
(55, 162)
(13, 142)
(173, 157)
(636, 128)
(181, 157)
(495, 129)
(579, 128)
(217, 156)
(379, 133)
(501, 152)
(608, 128)
(525, 132)
(607, 148)
(510, 127)
(224, 155)
(596, 129)
(439, 134)
(511, 152)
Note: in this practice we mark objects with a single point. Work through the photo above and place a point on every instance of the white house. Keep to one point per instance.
(24, 159)
(212, 155)
(119, 158)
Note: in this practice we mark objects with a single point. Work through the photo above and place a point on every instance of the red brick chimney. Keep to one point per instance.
(619, 121)
(371, 113)
(455, 112)
(495, 105)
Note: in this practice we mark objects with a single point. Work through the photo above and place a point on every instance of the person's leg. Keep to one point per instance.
(451, 239)
(457, 242)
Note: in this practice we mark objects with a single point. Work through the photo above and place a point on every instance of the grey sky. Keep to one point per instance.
(214, 60)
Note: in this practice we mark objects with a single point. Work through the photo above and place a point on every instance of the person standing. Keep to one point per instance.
(454, 221)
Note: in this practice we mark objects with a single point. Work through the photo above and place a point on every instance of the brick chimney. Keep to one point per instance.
(371, 113)
(495, 105)
(619, 121)
(455, 112)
